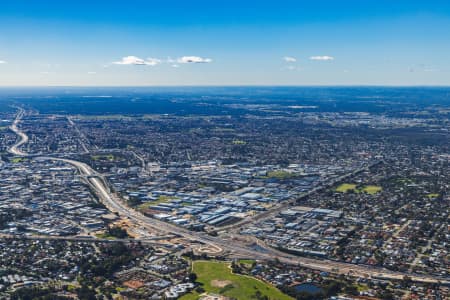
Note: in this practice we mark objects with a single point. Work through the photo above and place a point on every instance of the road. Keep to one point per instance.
(234, 247)
(81, 137)
(23, 138)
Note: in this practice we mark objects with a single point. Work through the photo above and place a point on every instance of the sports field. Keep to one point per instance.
(217, 278)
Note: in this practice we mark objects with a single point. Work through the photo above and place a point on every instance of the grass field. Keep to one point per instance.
(161, 199)
(105, 236)
(372, 189)
(239, 142)
(345, 187)
(246, 261)
(369, 189)
(18, 159)
(217, 278)
(431, 196)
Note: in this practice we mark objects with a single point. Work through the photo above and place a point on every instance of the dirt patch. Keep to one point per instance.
(220, 283)
(208, 249)
(134, 284)
(213, 297)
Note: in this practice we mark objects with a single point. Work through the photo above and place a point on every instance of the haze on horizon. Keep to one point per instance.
(153, 43)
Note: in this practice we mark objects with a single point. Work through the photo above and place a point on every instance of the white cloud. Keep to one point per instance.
(193, 60)
(92, 73)
(2, 62)
(134, 60)
(130, 60)
(152, 61)
(289, 59)
(323, 57)
(291, 68)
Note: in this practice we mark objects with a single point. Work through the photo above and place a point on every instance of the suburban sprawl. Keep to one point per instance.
(239, 193)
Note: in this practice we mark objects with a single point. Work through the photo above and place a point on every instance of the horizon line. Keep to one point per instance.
(231, 86)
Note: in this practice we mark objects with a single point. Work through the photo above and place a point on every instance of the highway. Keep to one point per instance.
(234, 247)
(23, 138)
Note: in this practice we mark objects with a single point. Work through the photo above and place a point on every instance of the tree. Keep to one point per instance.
(406, 281)
(85, 292)
(192, 277)
(352, 290)
(117, 232)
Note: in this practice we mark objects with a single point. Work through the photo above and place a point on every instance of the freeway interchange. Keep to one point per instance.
(233, 245)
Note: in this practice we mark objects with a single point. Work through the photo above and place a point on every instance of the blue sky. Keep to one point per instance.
(137, 42)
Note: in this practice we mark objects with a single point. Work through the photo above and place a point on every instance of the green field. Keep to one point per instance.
(345, 187)
(161, 199)
(372, 189)
(431, 196)
(18, 160)
(246, 261)
(369, 189)
(239, 142)
(217, 278)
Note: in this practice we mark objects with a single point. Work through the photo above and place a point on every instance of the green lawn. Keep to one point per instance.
(362, 287)
(372, 189)
(369, 189)
(105, 236)
(217, 278)
(191, 296)
(345, 187)
(161, 199)
(239, 142)
(246, 261)
(431, 196)
(18, 159)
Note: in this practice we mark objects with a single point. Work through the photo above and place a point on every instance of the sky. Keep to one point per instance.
(159, 43)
